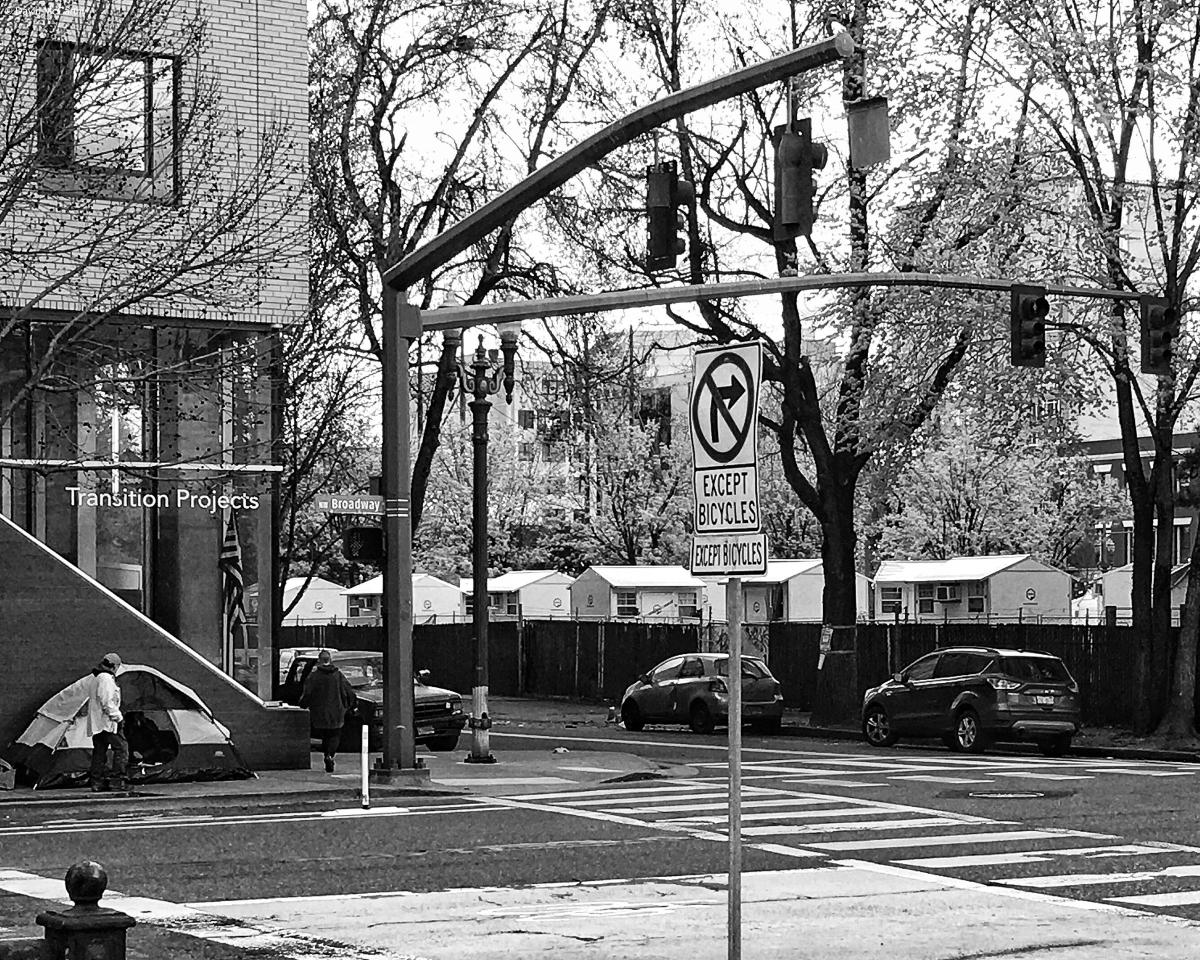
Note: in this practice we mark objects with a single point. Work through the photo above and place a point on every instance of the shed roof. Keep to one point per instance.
(374, 586)
(780, 571)
(647, 576)
(510, 582)
(954, 569)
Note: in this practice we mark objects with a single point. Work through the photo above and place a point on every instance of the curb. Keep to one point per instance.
(1079, 750)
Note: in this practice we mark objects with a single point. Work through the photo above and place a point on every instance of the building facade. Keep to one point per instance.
(156, 247)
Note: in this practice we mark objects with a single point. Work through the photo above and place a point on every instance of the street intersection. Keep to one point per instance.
(909, 852)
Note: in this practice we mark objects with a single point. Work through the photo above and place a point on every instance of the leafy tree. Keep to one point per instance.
(969, 494)
(1115, 89)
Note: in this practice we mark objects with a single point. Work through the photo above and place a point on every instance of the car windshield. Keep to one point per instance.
(362, 673)
(754, 669)
(1035, 669)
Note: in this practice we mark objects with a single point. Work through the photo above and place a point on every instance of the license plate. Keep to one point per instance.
(1044, 701)
(424, 731)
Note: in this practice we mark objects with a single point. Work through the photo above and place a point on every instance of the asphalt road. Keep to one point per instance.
(925, 823)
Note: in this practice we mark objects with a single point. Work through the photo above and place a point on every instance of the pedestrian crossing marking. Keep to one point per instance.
(948, 840)
(1181, 898)
(1150, 773)
(1031, 856)
(929, 779)
(794, 829)
(784, 815)
(1031, 775)
(1097, 879)
(695, 807)
(837, 783)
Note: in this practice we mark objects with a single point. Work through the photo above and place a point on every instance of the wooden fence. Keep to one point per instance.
(597, 660)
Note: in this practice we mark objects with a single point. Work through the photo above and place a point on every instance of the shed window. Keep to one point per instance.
(891, 599)
(687, 604)
(627, 604)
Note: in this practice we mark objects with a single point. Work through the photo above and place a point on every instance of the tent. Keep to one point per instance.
(172, 735)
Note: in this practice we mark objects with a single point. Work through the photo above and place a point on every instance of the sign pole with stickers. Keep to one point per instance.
(728, 538)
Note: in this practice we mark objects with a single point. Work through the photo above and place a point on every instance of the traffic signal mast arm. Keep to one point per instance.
(473, 228)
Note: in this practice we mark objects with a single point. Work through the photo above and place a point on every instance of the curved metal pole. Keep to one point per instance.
(471, 229)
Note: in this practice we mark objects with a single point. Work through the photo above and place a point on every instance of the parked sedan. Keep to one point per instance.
(971, 696)
(694, 689)
(439, 713)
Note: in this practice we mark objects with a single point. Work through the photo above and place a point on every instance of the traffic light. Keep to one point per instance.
(796, 157)
(1028, 326)
(363, 544)
(1160, 328)
(665, 194)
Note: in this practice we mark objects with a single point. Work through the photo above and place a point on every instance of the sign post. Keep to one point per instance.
(728, 540)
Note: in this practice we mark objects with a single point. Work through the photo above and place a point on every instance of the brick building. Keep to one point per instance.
(154, 235)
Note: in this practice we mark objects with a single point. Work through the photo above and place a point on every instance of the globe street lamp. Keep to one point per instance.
(482, 380)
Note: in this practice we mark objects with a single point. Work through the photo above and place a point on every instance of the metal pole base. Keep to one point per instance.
(471, 758)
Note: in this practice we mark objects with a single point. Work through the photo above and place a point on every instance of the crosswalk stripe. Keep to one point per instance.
(792, 829)
(925, 778)
(1032, 775)
(1182, 898)
(693, 807)
(1030, 856)
(1097, 879)
(835, 783)
(611, 791)
(953, 839)
(715, 795)
(1151, 773)
(784, 815)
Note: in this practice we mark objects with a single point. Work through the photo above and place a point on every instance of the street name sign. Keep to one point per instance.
(723, 416)
(361, 504)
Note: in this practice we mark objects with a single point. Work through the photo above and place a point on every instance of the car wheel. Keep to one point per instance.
(443, 744)
(1055, 746)
(877, 727)
(968, 735)
(631, 716)
(700, 718)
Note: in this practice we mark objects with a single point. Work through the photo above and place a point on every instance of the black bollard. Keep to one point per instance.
(86, 931)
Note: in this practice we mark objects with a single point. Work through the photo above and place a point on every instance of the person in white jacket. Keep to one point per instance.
(106, 727)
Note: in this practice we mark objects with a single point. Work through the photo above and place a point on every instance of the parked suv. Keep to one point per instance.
(971, 696)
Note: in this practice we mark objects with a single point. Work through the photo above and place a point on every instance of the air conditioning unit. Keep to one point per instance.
(948, 593)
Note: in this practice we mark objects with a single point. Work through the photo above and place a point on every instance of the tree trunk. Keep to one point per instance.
(839, 600)
(1179, 720)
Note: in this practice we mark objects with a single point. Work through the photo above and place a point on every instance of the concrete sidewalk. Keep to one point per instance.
(518, 770)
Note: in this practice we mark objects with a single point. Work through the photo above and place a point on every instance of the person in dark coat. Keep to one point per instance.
(329, 697)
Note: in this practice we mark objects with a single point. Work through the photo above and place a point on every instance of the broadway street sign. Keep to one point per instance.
(359, 504)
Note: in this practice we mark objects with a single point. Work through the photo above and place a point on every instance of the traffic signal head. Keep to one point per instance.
(668, 200)
(363, 544)
(1160, 328)
(796, 158)
(1028, 326)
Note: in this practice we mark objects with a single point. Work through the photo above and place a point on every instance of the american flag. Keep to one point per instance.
(232, 593)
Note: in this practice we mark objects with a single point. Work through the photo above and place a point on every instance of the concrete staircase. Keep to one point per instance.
(56, 623)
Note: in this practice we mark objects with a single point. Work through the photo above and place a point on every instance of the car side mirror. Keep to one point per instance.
(423, 676)
(644, 677)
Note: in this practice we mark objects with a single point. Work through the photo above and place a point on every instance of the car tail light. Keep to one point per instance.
(999, 683)
(717, 684)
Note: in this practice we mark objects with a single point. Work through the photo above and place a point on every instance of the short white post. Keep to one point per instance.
(366, 767)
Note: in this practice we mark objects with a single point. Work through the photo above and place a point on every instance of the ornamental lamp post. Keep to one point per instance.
(483, 380)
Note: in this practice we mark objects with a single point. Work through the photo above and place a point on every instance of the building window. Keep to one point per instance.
(106, 122)
(363, 606)
(976, 596)
(525, 452)
(891, 599)
(627, 604)
(688, 607)
(526, 419)
(925, 597)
